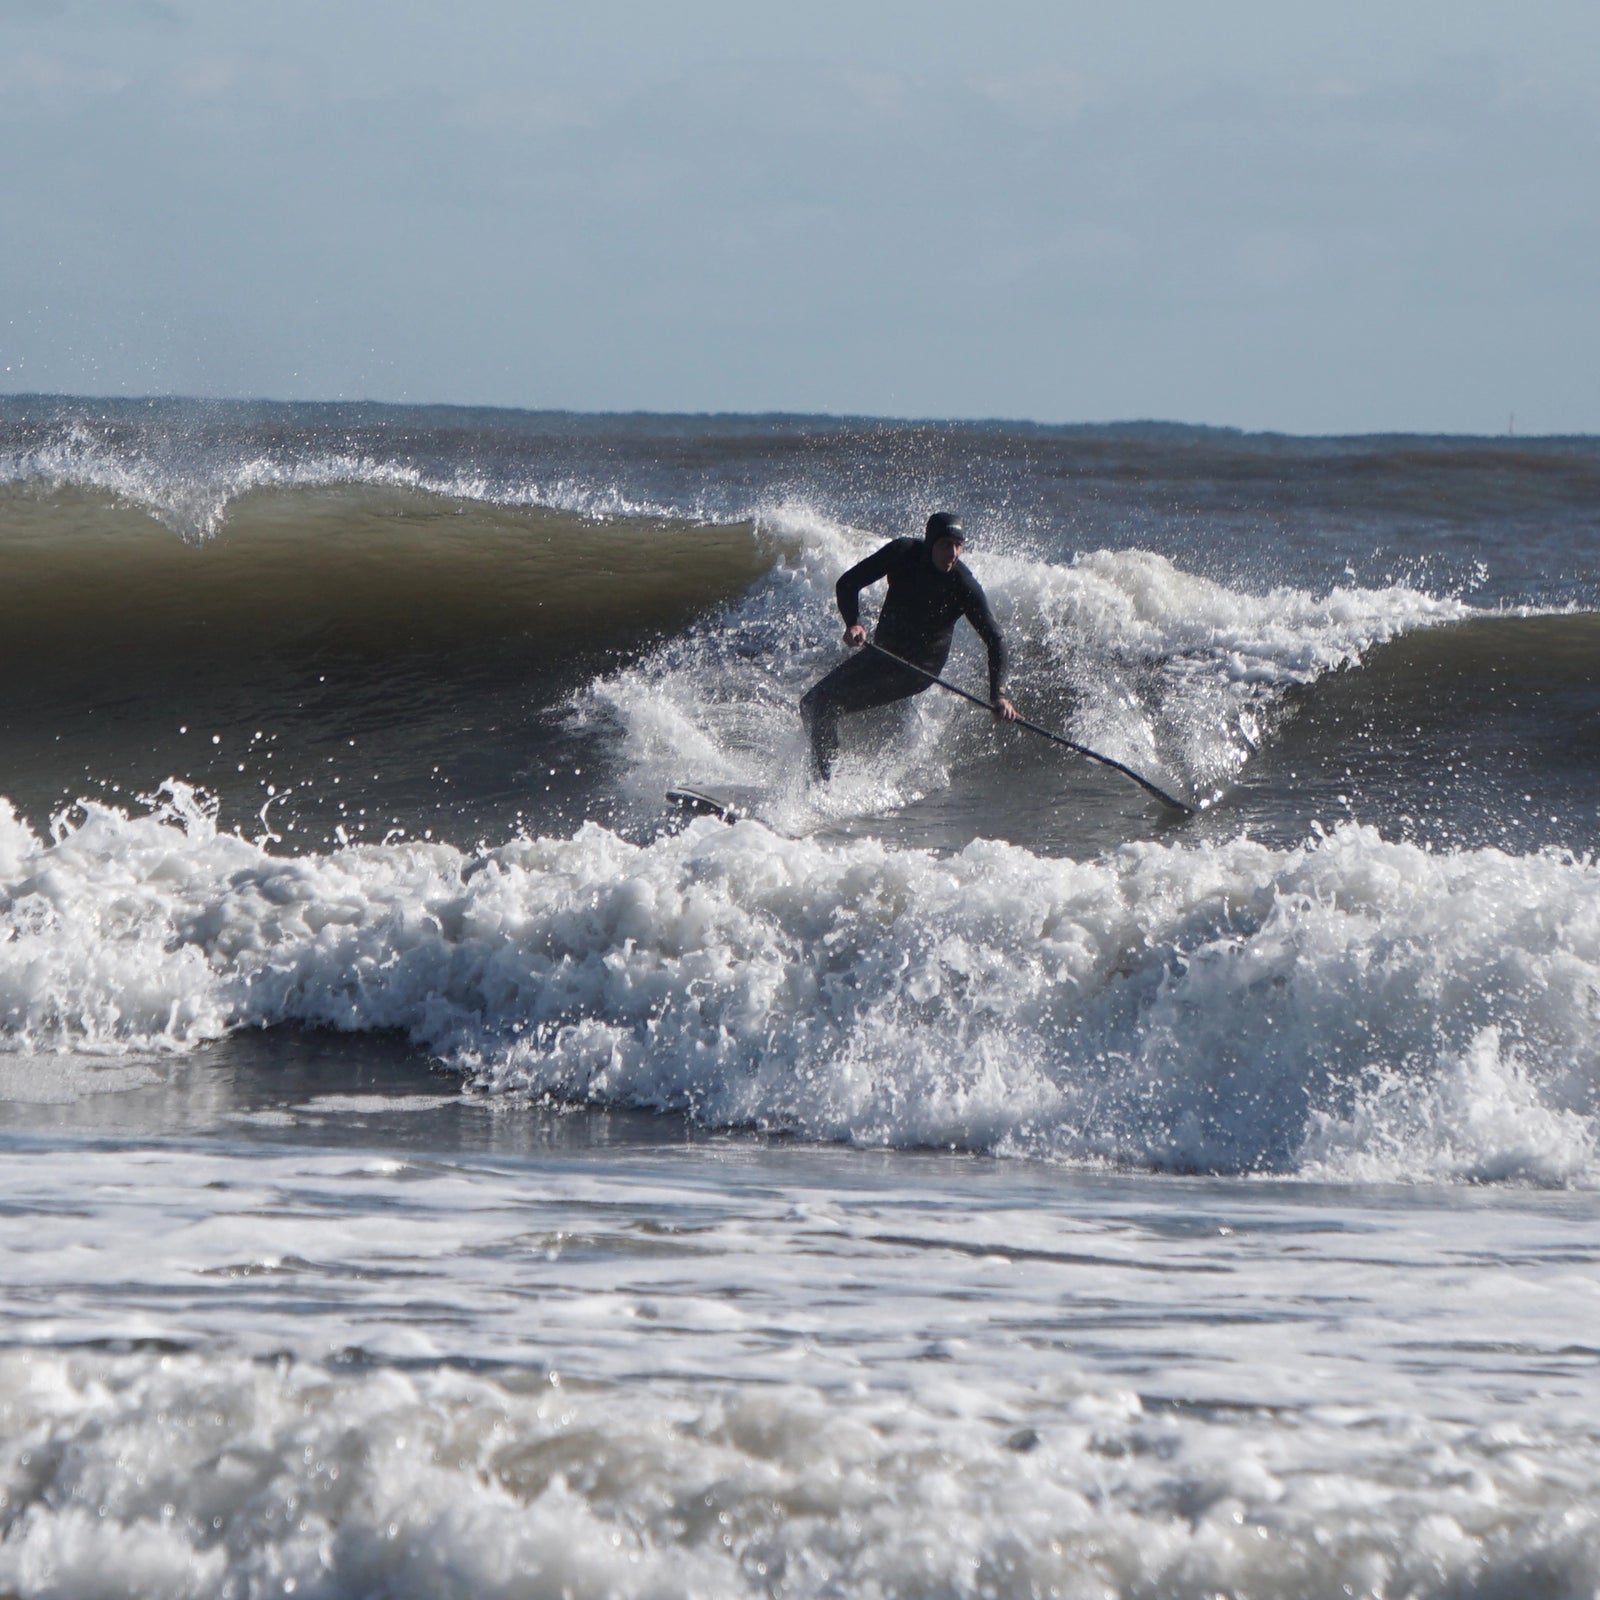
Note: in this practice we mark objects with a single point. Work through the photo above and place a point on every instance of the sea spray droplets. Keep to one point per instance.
(1224, 1008)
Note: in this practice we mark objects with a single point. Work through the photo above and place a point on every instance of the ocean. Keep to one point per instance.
(431, 1165)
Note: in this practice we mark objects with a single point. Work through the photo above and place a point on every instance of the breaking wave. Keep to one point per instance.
(1353, 1007)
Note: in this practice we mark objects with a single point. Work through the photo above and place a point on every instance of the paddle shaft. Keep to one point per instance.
(1044, 733)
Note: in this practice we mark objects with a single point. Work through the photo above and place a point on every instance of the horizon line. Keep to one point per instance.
(780, 415)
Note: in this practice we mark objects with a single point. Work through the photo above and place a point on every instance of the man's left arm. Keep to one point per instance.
(975, 603)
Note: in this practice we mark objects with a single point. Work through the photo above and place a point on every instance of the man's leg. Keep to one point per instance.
(863, 681)
(819, 713)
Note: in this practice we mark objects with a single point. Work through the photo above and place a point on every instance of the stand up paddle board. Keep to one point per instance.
(693, 803)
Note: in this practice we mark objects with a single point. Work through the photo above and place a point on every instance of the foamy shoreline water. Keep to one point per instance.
(727, 1368)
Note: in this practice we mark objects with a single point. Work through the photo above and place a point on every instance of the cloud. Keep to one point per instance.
(533, 108)
(1275, 258)
(1044, 96)
(105, 13)
(1088, 251)
(882, 94)
(51, 79)
(206, 77)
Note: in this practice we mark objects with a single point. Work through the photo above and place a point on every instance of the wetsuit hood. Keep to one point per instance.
(944, 525)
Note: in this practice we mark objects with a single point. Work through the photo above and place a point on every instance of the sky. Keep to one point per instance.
(1259, 213)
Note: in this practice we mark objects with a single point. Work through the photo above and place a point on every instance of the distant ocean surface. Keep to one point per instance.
(430, 1167)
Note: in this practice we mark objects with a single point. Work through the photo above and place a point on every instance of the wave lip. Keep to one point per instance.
(1352, 1009)
(193, 490)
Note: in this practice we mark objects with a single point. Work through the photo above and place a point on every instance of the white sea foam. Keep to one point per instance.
(175, 1476)
(1354, 1006)
(717, 1367)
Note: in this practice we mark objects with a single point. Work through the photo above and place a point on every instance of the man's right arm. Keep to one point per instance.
(848, 589)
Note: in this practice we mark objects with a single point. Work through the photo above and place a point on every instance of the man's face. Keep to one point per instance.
(946, 552)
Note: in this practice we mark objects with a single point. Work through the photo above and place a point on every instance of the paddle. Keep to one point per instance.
(1033, 727)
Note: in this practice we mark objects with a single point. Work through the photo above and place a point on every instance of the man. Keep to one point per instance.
(929, 589)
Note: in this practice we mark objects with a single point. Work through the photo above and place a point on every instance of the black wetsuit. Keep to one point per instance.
(916, 622)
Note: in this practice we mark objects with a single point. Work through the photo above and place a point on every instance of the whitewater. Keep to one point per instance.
(433, 1167)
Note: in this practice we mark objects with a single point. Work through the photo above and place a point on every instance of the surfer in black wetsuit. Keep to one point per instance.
(929, 590)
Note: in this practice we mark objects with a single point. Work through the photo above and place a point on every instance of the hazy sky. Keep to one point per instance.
(1329, 217)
